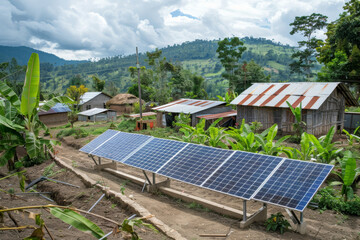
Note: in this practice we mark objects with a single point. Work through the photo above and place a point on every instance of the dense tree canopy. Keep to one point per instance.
(340, 52)
(304, 58)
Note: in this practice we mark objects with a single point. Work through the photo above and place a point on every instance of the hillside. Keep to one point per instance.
(198, 56)
(22, 54)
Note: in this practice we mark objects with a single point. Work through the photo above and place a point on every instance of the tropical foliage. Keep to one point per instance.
(19, 121)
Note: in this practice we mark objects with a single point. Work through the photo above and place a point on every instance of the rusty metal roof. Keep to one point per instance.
(145, 114)
(219, 115)
(311, 94)
(188, 106)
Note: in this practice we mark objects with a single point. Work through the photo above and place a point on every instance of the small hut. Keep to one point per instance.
(193, 107)
(323, 105)
(57, 115)
(123, 103)
(97, 114)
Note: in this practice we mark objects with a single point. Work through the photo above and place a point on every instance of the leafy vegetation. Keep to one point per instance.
(277, 222)
(19, 121)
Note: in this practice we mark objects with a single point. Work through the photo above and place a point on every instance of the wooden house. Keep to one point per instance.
(323, 105)
(57, 115)
(93, 100)
(123, 103)
(193, 107)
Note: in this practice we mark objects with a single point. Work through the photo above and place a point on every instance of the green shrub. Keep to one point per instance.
(127, 125)
(76, 132)
(277, 222)
(327, 198)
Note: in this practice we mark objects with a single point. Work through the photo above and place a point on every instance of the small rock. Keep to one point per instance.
(131, 197)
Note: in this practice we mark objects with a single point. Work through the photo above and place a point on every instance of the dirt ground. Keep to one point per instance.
(190, 220)
(82, 198)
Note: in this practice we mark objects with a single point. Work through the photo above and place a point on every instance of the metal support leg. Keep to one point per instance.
(153, 176)
(147, 177)
(301, 217)
(244, 211)
(99, 160)
(92, 157)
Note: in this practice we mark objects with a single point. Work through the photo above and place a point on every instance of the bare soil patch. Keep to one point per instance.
(82, 198)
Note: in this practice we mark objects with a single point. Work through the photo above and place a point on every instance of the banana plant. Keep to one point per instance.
(268, 145)
(348, 174)
(299, 125)
(325, 150)
(19, 121)
(352, 137)
(216, 137)
(243, 138)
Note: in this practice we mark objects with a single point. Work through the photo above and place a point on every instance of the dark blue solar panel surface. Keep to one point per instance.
(195, 163)
(155, 154)
(120, 146)
(293, 184)
(98, 141)
(242, 174)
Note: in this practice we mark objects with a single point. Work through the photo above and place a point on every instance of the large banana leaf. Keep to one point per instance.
(10, 111)
(30, 93)
(348, 169)
(33, 145)
(10, 95)
(77, 221)
(8, 123)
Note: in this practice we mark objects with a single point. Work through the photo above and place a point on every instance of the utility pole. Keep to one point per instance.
(139, 84)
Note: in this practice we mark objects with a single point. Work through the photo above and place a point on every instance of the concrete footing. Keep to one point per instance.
(111, 165)
(155, 188)
(300, 228)
(259, 216)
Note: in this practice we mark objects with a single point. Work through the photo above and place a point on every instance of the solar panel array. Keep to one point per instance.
(279, 181)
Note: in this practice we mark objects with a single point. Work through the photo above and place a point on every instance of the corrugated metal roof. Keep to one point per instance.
(57, 108)
(145, 114)
(94, 111)
(88, 96)
(219, 115)
(310, 94)
(188, 106)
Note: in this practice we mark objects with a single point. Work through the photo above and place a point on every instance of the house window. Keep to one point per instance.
(88, 107)
(104, 105)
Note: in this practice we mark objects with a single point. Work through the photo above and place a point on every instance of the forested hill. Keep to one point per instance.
(21, 54)
(198, 56)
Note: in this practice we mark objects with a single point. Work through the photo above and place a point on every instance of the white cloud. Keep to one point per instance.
(92, 29)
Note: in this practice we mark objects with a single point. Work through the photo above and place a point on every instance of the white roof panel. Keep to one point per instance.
(188, 106)
(88, 96)
(94, 111)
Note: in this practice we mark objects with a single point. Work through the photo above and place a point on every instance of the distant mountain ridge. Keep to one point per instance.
(22, 55)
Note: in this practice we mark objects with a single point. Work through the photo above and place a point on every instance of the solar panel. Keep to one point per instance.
(242, 174)
(195, 163)
(279, 181)
(293, 184)
(155, 154)
(98, 141)
(120, 145)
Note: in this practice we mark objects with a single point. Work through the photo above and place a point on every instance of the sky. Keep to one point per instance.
(93, 29)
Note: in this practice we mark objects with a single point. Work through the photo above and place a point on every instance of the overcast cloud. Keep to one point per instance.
(84, 29)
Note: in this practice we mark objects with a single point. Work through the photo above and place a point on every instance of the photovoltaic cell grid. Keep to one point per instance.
(242, 174)
(120, 146)
(293, 184)
(154, 154)
(98, 141)
(236, 173)
(195, 163)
